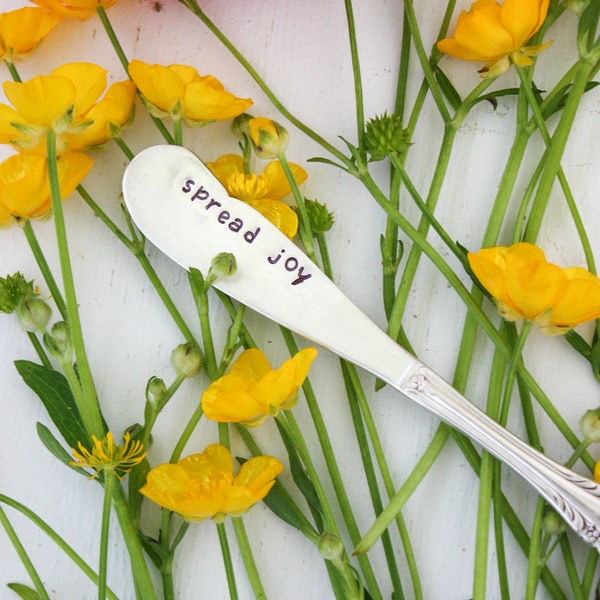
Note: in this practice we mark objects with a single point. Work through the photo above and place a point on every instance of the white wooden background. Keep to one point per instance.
(301, 48)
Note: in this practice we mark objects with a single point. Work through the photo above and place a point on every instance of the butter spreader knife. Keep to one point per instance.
(180, 206)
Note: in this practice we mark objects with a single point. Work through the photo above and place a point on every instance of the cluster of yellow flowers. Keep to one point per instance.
(73, 104)
(203, 485)
(68, 102)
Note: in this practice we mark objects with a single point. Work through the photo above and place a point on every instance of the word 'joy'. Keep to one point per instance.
(235, 224)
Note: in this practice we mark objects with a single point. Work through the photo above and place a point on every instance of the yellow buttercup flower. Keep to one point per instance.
(75, 9)
(496, 34)
(263, 191)
(268, 137)
(105, 455)
(23, 29)
(526, 286)
(253, 391)
(25, 188)
(203, 485)
(180, 92)
(66, 101)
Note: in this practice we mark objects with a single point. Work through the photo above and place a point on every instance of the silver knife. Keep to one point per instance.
(180, 206)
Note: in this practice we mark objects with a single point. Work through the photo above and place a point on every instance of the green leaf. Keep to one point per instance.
(54, 392)
(280, 503)
(559, 100)
(24, 592)
(302, 480)
(447, 88)
(589, 19)
(55, 448)
(155, 550)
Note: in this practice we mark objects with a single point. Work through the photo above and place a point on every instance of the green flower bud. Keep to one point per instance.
(552, 523)
(577, 6)
(269, 138)
(331, 547)
(186, 359)
(155, 389)
(58, 341)
(239, 125)
(590, 425)
(319, 217)
(33, 314)
(222, 265)
(385, 135)
(14, 289)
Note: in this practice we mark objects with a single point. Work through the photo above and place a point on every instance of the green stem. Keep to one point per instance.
(288, 424)
(358, 88)
(226, 554)
(405, 492)
(193, 6)
(139, 568)
(22, 553)
(186, 433)
(39, 348)
(533, 571)
(89, 409)
(109, 480)
(13, 70)
(114, 40)
(556, 148)
(330, 461)
(60, 543)
(248, 558)
(136, 247)
(305, 232)
(42, 263)
(199, 290)
(178, 132)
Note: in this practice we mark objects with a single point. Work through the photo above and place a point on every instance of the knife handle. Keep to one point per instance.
(574, 497)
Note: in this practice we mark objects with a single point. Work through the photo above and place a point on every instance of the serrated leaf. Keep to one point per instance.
(24, 592)
(55, 448)
(53, 390)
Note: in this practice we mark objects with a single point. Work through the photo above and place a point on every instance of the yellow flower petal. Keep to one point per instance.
(43, 100)
(580, 299)
(278, 213)
(24, 187)
(250, 391)
(23, 29)
(160, 85)
(492, 32)
(75, 9)
(203, 485)
(203, 102)
(89, 81)
(522, 18)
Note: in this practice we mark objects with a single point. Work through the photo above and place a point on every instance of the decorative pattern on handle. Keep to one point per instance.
(574, 497)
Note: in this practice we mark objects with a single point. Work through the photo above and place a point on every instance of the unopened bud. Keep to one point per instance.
(330, 547)
(186, 359)
(58, 340)
(222, 265)
(269, 138)
(33, 314)
(155, 389)
(577, 6)
(552, 523)
(590, 425)
(240, 126)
